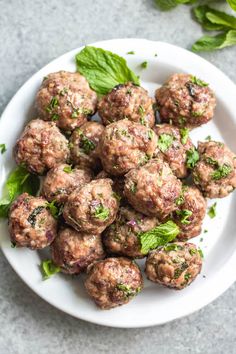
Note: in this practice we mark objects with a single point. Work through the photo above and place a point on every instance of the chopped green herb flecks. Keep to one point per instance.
(192, 158)
(86, 144)
(208, 138)
(165, 141)
(64, 91)
(133, 188)
(172, 247)
(55, 210)
(33, 216)
(68, 169)
(131, 52)
(48, 269)
(144, 65)
(212, 211)
(187, 276)
(222, 172)
(101, 212)
(53, 104)
(184, 216)
(184, 133)
(127, 290)
(198, 82)
(3, 148)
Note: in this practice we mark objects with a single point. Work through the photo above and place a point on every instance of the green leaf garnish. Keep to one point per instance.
(213, 20)
(184, 216)
(131, 52)
(86, 144)
(172, 247)
(166, 5)
(192, 158)
(103, 69)
(101, 212)
(212, 211)
(232, 3)
(165, 141)
(18, 182)
(198, 82)
(209, 43)
(48, 269)
(222, 172)
(54, 209)
(3, 148)
(127, 290)
(53, 104)
(144, 64)
(158, 236)
(33, 216)
(208, 138)
(184, 133)
(68, 169)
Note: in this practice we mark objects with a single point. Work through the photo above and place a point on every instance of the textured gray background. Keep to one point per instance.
(31, 34)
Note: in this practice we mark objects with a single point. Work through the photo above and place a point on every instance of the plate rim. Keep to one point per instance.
(228, 280)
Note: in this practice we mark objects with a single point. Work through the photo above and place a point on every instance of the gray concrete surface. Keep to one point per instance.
(31, 34)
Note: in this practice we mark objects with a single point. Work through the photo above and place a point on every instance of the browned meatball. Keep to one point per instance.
(185, 101)
(113, 282)
(73, 251)
(190, 213)
(122, 236)
(93, 207)
(127, 101)
(125, 145)
(84, 145)
(215, 172)
(175, 265)
(67, 99)
(62, 180)
(153, 189)
(173, 143)
(41, 147)
(30, 222)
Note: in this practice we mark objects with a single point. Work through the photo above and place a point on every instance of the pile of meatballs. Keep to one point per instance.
(116, 179)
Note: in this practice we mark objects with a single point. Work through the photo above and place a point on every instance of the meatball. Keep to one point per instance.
(215, 172)
(127, 101)
(153, 189)
(67, 99)
(175, 265)
(125, 145)
(30, 222)
(84, 145)
(173, 143)
(122, 236)
(113, 282)
(185, 101)
(93, 207)
(118, 184)
(73, 251)
(41, 147)
(191, 212)
(62, 180)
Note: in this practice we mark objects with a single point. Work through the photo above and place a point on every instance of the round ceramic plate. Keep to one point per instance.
(156, 304)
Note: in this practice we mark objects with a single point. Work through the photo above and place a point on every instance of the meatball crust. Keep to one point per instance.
(118, 184)
(173, 143)
(30, 222)
(186, 101)
(127, 101)
(121, 237)
(113, 282)
(93, 207)
(67, 99)
(73, 251)
(62, 180)
(190, 213)
(215, 172)
(153, 189)
(41, 147)
(175, 265)
(125, 145)
(84, 145)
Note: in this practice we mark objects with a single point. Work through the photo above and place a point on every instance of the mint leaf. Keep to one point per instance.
(3, 148)
(101, 212)
(221, 18)
(222, 172)
(192, 158)
(200, 14)
(165, 141)
(54, 209)
(232, 3)
(212, 211)
(222, 40)
(166, 5)
(18, 182)
(184, 216)
(103, 69)
(184, 133)
(159, 236)
(48, 268)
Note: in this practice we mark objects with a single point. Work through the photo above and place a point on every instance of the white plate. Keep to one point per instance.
(155, 305)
